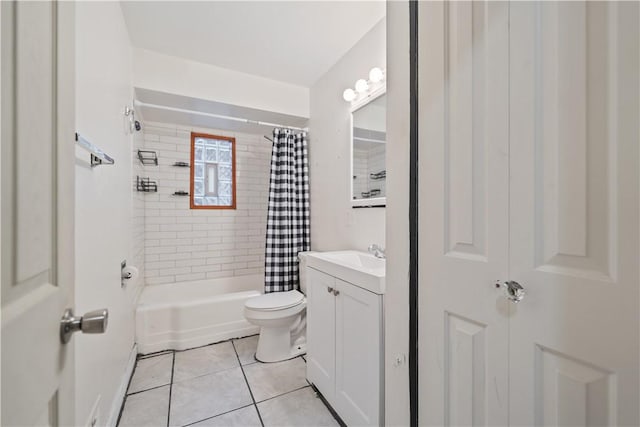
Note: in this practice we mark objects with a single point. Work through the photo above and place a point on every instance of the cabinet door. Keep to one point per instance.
(358, 355)
(321, 332)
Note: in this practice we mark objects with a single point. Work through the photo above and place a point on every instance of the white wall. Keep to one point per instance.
(397, 295)
(183, 244)
(334, 224)
(372, 116)
(179, 76)
(103, 207)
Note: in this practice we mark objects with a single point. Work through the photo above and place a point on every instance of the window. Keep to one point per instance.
(213, 172)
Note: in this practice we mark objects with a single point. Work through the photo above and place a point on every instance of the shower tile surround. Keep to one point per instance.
(221, 385)
(181, 244)
(138, 209)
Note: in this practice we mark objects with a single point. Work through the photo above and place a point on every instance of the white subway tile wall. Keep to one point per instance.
(138, 201)
(183, 244)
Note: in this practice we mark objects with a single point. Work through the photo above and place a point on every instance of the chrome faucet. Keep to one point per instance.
(377, 251)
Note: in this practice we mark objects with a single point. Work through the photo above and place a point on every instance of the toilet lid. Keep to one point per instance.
(275, 301)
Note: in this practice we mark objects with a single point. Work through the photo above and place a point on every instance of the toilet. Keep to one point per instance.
(282, 320)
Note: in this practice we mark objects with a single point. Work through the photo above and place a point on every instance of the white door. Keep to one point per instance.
(553, 205)
(574, 224)
(37, 158)
(463, 184)
(358, 355)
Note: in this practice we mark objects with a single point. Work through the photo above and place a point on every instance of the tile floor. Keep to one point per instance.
(221, 385)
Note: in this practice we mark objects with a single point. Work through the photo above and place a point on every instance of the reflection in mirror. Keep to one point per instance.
(369, 148)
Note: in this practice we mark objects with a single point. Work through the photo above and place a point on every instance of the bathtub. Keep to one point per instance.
(184, 315)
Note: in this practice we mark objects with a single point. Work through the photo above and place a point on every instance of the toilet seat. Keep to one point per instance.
(275, 301)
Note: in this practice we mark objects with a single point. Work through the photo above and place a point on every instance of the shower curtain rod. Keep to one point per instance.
(216, 116)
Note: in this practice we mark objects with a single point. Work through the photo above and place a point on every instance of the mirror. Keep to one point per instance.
(368, 151)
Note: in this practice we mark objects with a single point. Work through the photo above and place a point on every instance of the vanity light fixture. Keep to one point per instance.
(349, 95)
(362, 86)
(376, 75)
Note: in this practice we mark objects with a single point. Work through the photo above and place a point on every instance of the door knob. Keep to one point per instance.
(93, 322)
(512, 290)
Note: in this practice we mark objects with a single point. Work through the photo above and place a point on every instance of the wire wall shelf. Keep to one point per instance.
(148, 157)
(378, 175)
(146, 185)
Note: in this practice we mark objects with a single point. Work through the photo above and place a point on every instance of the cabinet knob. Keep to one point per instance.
(336, 292)
(329, 289)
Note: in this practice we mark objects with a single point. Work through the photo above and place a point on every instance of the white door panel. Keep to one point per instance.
(529, 160)
(463, 172)
(574, 213)
(37, 51)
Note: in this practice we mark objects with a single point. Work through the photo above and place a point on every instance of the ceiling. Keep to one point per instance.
(290, 41)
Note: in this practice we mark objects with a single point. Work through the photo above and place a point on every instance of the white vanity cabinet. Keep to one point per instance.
(345, 347)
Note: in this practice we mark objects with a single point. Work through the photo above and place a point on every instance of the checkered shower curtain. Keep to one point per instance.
(288, 230)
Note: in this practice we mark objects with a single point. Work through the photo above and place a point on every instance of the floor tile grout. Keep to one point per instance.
(326, 404)
(133, 393)
(254, 403)
(124, 399)
(154, 354)
(203, 375)
(283, 394)
(248, 386)
(231, 340)
(219, 415)
(163, 352)
(173, 364)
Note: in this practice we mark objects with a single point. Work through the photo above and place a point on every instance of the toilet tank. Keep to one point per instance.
(302, 270)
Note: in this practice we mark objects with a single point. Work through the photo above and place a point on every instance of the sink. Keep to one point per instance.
(358, 268)
(356, 259)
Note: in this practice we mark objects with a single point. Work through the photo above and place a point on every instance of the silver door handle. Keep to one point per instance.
(512, 290)
(93, 322)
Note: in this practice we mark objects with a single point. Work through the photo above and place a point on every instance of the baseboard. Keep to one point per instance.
(116, 406)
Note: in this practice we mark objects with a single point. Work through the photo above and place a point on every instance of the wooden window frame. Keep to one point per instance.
(195, 135)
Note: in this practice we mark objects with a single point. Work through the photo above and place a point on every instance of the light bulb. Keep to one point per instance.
(349, 95)
(376, 75)
(362, 86)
